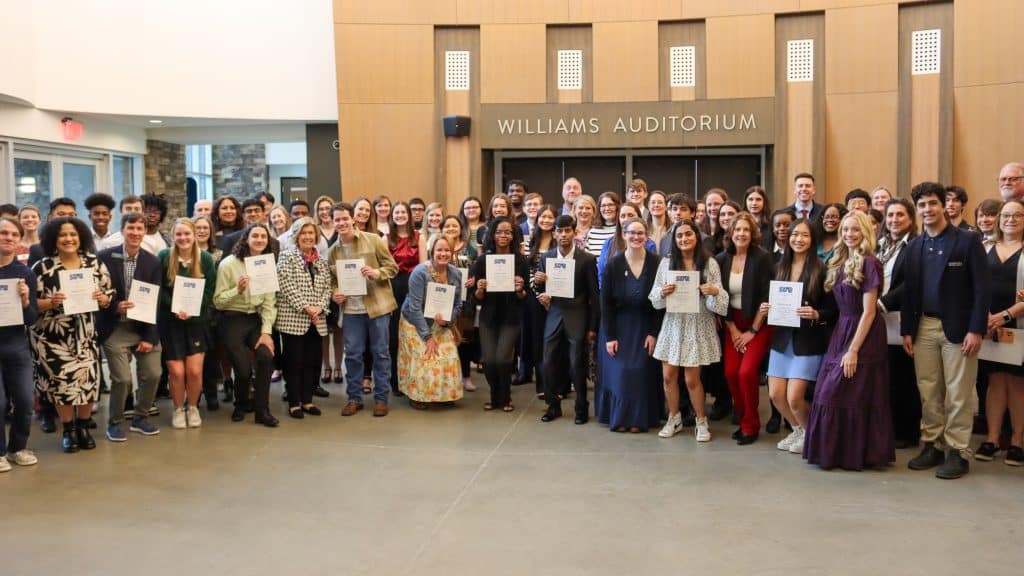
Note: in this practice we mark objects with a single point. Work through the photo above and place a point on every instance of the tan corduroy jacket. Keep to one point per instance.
(373, 249)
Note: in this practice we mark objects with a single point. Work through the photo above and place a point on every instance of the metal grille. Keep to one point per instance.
(926, 51)
(570, 69)
(682, 65)
(800, 60)
(456, 70)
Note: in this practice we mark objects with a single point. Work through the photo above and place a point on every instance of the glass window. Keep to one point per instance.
(32, 181)
(123, 176)
(79, 184)
(199, 166)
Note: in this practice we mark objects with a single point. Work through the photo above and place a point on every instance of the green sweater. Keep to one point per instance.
(167, 286)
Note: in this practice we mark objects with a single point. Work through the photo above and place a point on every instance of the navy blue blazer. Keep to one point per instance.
(964, 287)
(147, 269)
(582, 313)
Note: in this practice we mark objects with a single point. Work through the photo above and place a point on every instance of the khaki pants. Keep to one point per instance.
(945, 378)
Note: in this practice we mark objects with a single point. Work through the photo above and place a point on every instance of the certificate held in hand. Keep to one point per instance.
(686, 297)
(784, 298)
(561, 278)
(350, 277)
(262, 273)
(144, 296)
(78, 287)
(188, 295)
(440, 299)
(501, 275)
(11, 312)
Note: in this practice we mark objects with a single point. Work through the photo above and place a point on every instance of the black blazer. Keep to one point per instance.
(964, 286)
(893, 299)
(147, 269)
(499, 306)
(613, 293)
(814, 213)
(582, 313)
(758, 271)
(811, 339)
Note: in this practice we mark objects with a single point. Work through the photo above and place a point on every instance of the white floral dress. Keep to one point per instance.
(690, 339)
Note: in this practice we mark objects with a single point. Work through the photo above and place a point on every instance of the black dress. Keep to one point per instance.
(1004, 295)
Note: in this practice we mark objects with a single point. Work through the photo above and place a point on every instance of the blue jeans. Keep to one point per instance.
(17, 386)
(360, 332)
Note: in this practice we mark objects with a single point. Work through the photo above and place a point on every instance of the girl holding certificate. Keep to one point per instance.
(542, 240)
(182, 336)
(850, 426)
(325, 239)
(688, 341)
(796, 352)
(463, 256)
(66, 349)
(404, 243)
(428, 357)
(499, 312)
(247, 315)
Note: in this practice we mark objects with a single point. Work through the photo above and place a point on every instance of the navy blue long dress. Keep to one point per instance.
(631, 390)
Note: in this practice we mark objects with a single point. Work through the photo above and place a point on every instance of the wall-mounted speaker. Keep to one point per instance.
(456, 126)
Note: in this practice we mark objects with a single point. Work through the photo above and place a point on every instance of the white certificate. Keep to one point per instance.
(350, 277)
(501, 273)
(464, 273)
(892, 329)
(686, 297)
(144, 296)
(440, 299)
(561, 278)
(784, 298)
(188, 295)
(1006, 348)
(11, 312)
(78, 287)
(262, 273)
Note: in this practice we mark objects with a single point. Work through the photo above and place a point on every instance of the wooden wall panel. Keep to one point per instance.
(513, 63)
(459, 158)
(861, 142)
(395, 11)
(717, 8)
(626, 61)
(924, 128)
(384, 63)
(570, 38)
(387, 147)
(512, 11)
(987, 121)
(620, 10)
(861, 50)
(741, 49)
(831, 4)
(988, 48)
(682, 34)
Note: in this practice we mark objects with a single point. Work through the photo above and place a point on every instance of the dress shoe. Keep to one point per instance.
(212, 404)
(312, 410)
(581, 419)
(745, 439)
(774, 423)
(351, 408)
(929, 457)
(737, 434)
(47, 423)
(550, 415)
(85, 440)
(719, 411)
(296, 412)
(319, 392)
(69, 441)
(380, 410)
(267, 419)
(238, 414)
(954, 467)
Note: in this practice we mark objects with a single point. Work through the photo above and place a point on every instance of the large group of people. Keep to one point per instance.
(642, 296)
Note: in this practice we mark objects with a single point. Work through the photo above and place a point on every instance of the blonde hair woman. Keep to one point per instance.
(850, 425)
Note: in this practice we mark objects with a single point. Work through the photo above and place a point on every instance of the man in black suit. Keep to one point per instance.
(944, 313)
(252, 213)
(123, 338)
(572, 321)
(804, 191)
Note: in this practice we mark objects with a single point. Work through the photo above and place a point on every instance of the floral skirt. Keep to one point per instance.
(437, 379)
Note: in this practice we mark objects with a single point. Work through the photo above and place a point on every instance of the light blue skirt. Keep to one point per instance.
(788, 365)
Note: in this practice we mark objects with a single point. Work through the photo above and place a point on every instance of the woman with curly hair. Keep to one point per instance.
(850, 426)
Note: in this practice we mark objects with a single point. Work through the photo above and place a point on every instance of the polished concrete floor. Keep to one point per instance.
(461, 491)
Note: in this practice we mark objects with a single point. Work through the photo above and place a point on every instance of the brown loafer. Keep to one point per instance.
(351, 408)
(380, 410)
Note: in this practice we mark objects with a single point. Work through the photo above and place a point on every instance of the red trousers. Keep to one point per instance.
(742, 371)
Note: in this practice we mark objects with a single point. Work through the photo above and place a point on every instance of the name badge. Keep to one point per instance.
(955, 264)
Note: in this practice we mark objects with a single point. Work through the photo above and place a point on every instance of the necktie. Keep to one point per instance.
(803, 213)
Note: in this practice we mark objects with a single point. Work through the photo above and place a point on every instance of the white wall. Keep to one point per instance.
(240, 59)
(286, 153)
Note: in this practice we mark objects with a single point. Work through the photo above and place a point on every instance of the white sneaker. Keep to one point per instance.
(786, 442)
(5, 466)
(701, 431)
(193, 417)
(23, 458)
(673, 426)
(178, 420)
(797, 446)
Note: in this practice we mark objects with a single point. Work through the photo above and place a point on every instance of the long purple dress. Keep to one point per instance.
(850, 425)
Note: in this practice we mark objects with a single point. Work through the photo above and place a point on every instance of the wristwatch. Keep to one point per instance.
(1006, 316)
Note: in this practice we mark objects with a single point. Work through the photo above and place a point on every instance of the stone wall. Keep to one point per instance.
(165, 176)
(239, 170)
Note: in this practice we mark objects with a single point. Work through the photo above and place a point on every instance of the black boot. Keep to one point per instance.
(229, 388)
(775, 422)
(69, 441)
(85, 441)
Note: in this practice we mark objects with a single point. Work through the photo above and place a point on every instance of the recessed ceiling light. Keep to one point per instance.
(156, 121)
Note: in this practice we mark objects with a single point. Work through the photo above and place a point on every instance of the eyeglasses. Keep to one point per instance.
(1009, 179)
(634, 233)
(1014, 216)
